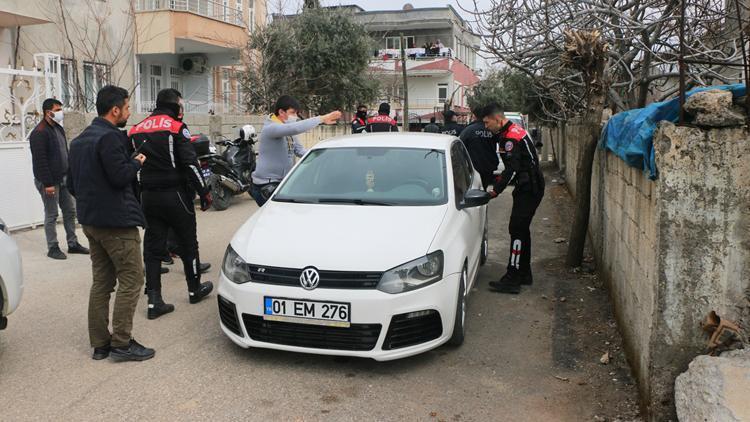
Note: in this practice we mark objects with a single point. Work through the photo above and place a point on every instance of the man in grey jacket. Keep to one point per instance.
(279, 145)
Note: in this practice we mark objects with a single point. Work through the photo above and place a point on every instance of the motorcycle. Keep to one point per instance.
(228, 173)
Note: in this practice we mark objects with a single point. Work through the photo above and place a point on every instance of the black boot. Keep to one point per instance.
(510, 283)
(527, 279)
(55, 253)
(156, 305)
(204, 267)
(200, 291)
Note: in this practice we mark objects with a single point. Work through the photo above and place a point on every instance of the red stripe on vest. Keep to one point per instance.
(158, 123)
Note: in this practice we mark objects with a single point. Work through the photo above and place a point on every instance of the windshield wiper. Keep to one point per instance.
(296, 201)
(352, 201)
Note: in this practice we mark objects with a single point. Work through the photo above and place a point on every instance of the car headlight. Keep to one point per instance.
(413, 275)
(234, 267)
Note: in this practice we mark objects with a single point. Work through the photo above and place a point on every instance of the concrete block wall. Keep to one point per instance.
(671, 250)
(623, 234)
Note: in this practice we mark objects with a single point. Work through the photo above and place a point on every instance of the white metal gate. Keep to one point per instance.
(21, 95)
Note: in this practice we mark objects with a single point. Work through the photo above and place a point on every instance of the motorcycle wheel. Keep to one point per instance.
(222, 197)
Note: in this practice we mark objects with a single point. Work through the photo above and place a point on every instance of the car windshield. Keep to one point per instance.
(368, 176)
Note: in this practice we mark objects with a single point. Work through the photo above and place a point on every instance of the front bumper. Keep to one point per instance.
(367, 307)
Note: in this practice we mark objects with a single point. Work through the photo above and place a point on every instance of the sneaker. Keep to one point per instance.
(134, 352)
(101, 352)
(77, 248)
(56, 253)
(164, 270)
(168, 260)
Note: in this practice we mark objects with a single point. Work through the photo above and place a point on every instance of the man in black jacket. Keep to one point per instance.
(383, 121)
(49, 157)
(169, 180)
(359, 124)
(522, 167)
(101, 177)
(482, 146)
(450, 127)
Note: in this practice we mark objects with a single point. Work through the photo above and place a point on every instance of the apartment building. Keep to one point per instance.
(195, 46)
(441, 58)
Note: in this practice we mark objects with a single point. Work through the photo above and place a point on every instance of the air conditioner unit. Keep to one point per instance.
(194, 64)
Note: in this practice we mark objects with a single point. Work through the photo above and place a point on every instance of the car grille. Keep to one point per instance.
(409, 329)
(357, 337)
(228, 315)
(328, 279)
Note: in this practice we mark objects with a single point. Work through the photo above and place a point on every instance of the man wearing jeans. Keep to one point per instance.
(102, 177)
(49, 156)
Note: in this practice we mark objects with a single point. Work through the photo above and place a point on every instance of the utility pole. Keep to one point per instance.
(406, 87)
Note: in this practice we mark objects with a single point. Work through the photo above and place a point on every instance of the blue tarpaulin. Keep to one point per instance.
(630, 134)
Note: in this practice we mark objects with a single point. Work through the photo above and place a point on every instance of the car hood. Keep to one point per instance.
(337, 237)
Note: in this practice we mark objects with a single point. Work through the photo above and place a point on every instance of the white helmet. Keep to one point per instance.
(247, 132)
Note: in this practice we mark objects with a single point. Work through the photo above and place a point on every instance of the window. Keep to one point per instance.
(394, 43)
(463, 172)
(240, 99)
(238, 12)
(442, 93)
(175, 79)
(368, 175)
(155, 78)
(67, 80)
(95, 76)
(142, 82)
(250, 16)
(226, 91)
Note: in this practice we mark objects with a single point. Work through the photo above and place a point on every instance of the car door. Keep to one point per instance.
(471, 220)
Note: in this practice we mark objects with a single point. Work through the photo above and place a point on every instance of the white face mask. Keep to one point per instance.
(57, 116)
(291, 118)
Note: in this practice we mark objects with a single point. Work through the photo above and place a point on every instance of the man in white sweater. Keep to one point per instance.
(279, 145)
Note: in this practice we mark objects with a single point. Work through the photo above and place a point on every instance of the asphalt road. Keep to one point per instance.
(509, 368)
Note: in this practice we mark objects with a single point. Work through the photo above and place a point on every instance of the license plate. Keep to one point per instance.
(206, 173)
(333, 314)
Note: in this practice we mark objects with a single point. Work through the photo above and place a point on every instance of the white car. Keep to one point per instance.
(368, 248)
(11, 276)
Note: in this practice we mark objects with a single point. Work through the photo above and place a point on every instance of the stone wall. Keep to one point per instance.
(672, 249)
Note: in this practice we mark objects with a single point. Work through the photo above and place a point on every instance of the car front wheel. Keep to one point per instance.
(459, 326)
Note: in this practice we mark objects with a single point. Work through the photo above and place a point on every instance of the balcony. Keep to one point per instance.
(189, 26)
(20, 14)
(415, 54)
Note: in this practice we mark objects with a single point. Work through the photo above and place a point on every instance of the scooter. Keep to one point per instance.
(228, 173)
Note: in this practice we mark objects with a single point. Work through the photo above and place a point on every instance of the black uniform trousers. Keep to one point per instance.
(165, 210)
(525, 202)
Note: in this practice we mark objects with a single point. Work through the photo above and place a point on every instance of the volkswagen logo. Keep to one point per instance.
(309, 278)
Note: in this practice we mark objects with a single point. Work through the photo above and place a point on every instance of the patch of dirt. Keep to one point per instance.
(585, 332)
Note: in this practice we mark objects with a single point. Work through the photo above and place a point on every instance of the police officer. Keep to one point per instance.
(383, 121)
(482, 146)
(169, 183)
(359, 124)
(522, 166)
(450, 127)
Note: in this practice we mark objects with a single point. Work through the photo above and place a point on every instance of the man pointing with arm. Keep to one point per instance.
(279, 145)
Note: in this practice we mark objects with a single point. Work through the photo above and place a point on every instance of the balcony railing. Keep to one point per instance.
(415, 53)
(207, 8)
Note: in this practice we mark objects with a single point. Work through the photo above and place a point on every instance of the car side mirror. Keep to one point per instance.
(475, 198)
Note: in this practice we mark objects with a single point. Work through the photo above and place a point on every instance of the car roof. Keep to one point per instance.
(390, 140)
